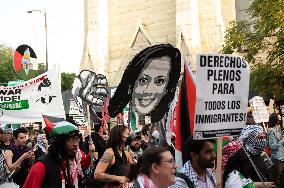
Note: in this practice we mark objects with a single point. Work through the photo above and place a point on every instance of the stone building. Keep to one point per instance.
(115, 30)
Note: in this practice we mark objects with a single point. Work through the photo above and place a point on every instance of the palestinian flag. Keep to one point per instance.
(185, 111)
(22, 57)
(57, 126)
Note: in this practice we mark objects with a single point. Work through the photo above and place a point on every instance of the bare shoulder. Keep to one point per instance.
(108, 156)
(110, 150)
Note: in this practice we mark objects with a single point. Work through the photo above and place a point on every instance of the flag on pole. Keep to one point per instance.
(172, 122)
(185, 111)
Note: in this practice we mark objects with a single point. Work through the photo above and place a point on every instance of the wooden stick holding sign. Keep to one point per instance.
(219, 162)
(89, 121)
(93, 154)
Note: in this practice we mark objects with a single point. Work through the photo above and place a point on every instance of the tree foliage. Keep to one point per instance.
(261, 42)
(67, 80)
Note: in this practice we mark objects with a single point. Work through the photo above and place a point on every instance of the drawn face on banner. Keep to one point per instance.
(149, 82)
(151, 85)
(89, 88)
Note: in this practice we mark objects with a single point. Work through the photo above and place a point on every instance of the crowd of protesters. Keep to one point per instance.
(124, 158)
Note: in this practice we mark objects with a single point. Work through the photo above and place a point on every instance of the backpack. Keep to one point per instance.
(186, 179)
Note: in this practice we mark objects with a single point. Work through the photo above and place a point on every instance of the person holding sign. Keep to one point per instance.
(245, 164)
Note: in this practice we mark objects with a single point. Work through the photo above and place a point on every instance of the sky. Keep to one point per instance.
(65, 30)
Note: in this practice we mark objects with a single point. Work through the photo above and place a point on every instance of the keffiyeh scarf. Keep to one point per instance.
(191, 174)
(248, 139)
(145, 182)
(230, 150)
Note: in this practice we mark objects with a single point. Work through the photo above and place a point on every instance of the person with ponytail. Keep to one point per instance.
(156, 168)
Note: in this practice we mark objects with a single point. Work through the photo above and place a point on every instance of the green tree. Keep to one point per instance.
(7, 72)
(261, 42)
(67, 80)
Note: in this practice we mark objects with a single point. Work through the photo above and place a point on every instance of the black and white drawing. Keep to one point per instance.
(44, 88)
(149, 82)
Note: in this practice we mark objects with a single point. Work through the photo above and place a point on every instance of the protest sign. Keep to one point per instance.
(260, 113)
(222, 86)
(29, 100)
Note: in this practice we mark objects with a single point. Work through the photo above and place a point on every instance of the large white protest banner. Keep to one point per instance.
(29, 100)
(260, 113)
(222, 86)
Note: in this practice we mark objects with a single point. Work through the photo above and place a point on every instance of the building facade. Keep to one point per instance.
(116, 30)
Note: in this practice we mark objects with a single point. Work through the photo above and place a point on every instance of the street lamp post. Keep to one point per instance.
(45, 26)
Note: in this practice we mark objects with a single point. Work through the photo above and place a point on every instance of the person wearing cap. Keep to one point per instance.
(62, 165)
(135, 147)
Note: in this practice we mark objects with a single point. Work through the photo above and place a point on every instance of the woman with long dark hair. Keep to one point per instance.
(113, 166)
(149, 82)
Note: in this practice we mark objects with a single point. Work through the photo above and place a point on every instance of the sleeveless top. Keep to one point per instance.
(120, 167)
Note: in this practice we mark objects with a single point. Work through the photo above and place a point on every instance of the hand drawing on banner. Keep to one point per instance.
(89, 88)
(44, 88)
(149, 82)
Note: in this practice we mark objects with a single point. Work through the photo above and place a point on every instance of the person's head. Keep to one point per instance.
(250, 120)
(20, 136)
(36, 133)
(150, 81)
(253, 138)
(158, 164)
(64, 146)
(8, 135)
(201, 152)
(273, 120)
(146, 130)
(64, 139)
(135, 144)
(118, 136)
